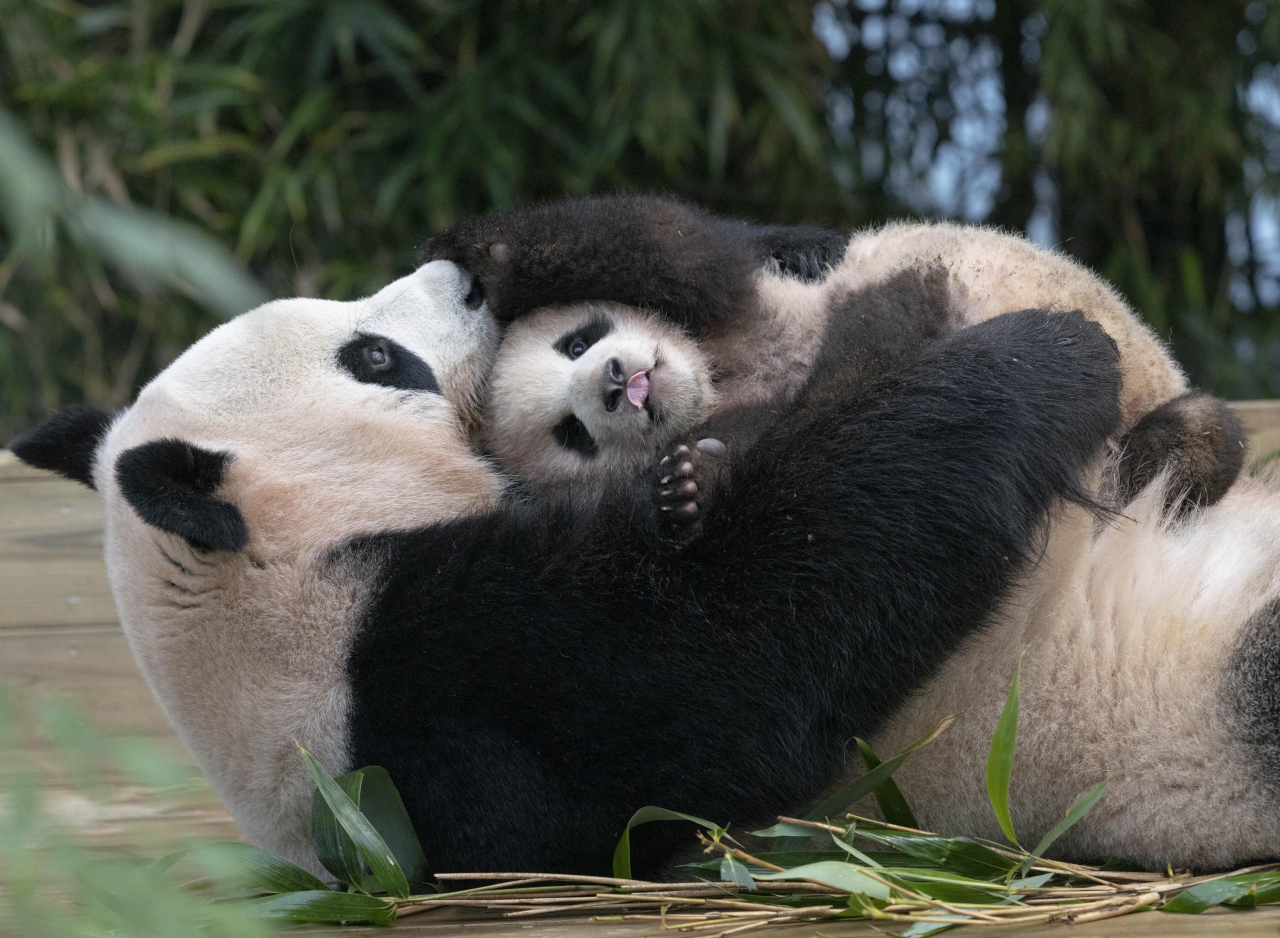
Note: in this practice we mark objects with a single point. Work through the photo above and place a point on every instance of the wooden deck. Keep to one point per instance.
(59, 636)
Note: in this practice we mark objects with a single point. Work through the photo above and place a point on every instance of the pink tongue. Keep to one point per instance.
(638, 389)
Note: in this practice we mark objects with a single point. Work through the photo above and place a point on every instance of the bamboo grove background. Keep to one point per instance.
(164, 163)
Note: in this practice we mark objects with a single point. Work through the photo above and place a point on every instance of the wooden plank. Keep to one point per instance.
(51, 567)
(1256, 923)
(1262, 421)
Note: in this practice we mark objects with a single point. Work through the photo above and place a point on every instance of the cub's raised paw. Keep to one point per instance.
(686, 477)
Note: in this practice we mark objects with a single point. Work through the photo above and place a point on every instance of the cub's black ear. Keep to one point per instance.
(170, 484)
(66, 442)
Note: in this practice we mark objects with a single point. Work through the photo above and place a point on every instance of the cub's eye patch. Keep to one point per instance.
(574, 344)
(374, 359)
(572, 434)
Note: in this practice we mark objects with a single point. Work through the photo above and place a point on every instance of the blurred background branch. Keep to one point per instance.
(319, 142)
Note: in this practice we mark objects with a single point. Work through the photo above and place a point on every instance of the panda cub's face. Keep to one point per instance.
(591, 389)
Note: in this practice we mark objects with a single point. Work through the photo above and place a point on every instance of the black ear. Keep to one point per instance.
(170, 484)
(66, 442)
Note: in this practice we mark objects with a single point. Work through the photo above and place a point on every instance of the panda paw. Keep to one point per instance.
(685, 480)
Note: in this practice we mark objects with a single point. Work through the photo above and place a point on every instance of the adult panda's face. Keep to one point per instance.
(589, 389)
(324, 420)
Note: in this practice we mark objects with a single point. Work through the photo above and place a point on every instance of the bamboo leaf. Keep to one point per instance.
(835, 804)
(844, 876)
(1000, 758)
(731, 871)
(646, 815)
(1206, 895)
(893, 806)
(250, 867)
(335, 849)
(958, 854)
(381, 803)
(1079, 809)
(324, 908)
(372, 848)
(782, 829)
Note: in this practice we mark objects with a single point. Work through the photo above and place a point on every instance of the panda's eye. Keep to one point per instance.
(375, 359)
(377, 356)
(575, 344)
(572, 434)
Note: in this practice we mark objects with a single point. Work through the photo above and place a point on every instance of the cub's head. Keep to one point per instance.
(582, 391)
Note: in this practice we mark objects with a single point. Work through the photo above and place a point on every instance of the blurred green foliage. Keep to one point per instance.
(321, 141)
(57, 771)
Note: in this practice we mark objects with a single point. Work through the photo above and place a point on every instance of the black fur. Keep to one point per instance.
(66, 443)
(397, 368)
(171, 485)
(1197, 438)
(1252, 688)
(532, 676)
(647, 251)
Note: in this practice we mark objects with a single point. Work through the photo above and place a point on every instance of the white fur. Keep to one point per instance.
(245, 651)
(1125, 634)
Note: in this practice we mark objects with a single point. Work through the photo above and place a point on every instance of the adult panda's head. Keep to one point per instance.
(298, 423)
(226, 488)
(587, 390)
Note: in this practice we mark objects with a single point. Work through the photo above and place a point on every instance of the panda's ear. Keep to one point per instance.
(65, 443)
(171, 485)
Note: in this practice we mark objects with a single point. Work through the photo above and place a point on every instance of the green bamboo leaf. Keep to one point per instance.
(835, 804)
(893, 806)
(1000, 758)
(844, 876)
(381, 803)
(174, 253)
(1206, 895)
(853, 852)
(782, 829)
(336, 851)
(1079, 809)
(373, 849)
(202, 148)
(251, 867)
(958, 854)
(731, 871)
(622, 853)
(324, 908)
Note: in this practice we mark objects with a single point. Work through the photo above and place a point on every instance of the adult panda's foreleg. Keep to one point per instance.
(695, 268)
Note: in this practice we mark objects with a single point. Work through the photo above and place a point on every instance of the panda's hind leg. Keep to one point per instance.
(1197, 439)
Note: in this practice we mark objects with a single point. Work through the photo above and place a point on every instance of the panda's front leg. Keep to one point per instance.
(687, 479)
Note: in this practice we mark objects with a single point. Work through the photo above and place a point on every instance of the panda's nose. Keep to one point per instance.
(615, 382)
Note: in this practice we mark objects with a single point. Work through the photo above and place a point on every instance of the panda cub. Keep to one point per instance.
(635, 320)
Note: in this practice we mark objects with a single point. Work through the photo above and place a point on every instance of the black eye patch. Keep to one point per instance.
(374, 359)
(574, 343)
(572, 434)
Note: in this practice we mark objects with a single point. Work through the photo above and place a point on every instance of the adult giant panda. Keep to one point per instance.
(303, 547)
